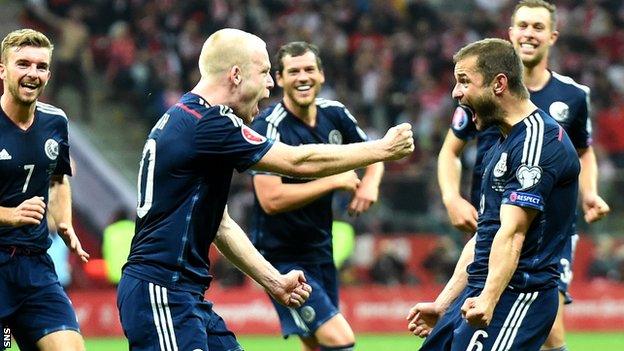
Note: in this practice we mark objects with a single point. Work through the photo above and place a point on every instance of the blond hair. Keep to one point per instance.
(226, 48)
(24, 37)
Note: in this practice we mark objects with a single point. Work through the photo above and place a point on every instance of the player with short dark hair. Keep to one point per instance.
(292, 219)
(533, 32)
(183, 184)
(34, 165)
(503, 294)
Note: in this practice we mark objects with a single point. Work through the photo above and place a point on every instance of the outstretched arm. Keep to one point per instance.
(288, 289)
(319, 160)
(462, 214)
(594, 206)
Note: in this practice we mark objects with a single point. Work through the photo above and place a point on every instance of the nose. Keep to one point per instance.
(269, 82)
(32, 70)
(457, 93)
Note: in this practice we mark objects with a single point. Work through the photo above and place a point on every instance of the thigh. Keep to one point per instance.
(44, 307)
(62, 340)
(565, 267)
(521, 322)
(160, 319)
(318, 309)
(220, 338)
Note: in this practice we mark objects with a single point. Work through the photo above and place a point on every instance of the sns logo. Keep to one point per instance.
(251, 136)
(6, 338)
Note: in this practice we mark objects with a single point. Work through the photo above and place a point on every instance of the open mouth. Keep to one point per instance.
(303, 88)
(471, 112)
(29, 86)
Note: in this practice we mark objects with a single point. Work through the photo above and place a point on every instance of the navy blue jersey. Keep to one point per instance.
(28, 158)
(304, 234)
(535, 166)
(562, 98)
(183, 184)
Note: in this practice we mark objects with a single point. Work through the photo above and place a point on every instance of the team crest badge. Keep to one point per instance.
(559, 111)
(528, 176)
(335, 137)
(51, 149)
(308, 314)
(501, 166)
(252, 136)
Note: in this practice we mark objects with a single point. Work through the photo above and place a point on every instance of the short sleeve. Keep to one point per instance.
(353, 132)
(63, 165)
(225, 138)
(462, 125)
(534, 170)
(581, 131)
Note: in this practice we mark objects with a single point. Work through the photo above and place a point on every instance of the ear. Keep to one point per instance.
(500, 84)
(322, 78)
(553, 37)
(235, 75)
(279, 79)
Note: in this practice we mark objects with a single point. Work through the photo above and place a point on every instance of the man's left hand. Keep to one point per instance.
(71, 240)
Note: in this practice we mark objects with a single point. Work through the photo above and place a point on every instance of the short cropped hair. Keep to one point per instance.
(535, 4)
(294, 49)
(24, 37)
(495, 56)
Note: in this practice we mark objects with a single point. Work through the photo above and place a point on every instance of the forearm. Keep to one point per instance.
(588, 178)
(59, 204)
(288, 197)
(503, 261)
(6, 216)
(449, 175)
(236, 247)
(459, 280)
(372, 175)
(319, 160)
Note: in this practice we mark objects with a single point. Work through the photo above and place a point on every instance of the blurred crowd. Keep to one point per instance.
(389, 61)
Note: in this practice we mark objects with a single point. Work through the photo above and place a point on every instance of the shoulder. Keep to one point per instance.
(570, 84)
(333, 107)
(51, 111)
(273, 114)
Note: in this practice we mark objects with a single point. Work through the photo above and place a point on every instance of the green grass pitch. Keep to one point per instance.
(376, 342)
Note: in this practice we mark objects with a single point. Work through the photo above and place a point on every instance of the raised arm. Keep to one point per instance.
(462, 214)
(319, 160)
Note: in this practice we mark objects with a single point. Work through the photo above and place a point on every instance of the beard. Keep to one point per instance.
(488, 111)
(22, 100)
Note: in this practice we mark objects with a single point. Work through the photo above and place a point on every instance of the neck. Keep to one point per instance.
(518, 110)
(536, 77)
(21, 114)
(214, 94)
(307, 114)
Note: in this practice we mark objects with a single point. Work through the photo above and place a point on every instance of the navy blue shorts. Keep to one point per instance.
(319, 308)
(156, 318)
(521, 322)
(565, 267)
(32, 302)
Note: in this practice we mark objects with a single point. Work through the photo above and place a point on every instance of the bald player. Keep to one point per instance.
(183, 184)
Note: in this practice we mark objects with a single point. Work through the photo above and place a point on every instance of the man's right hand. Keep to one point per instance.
(462, 214)
(399, 141)
(29, 212)
(422, 318)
